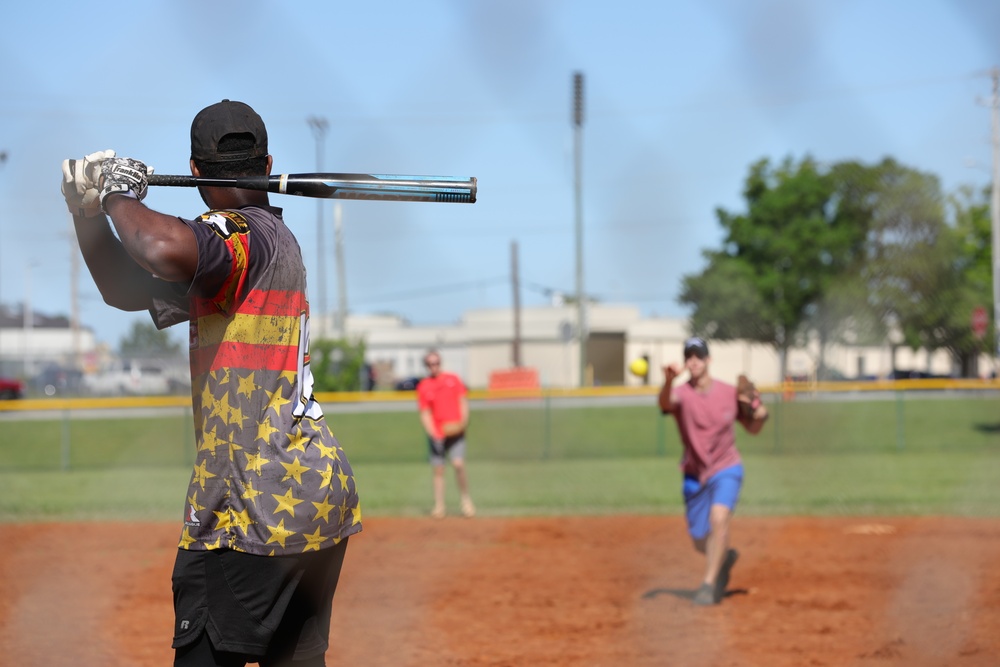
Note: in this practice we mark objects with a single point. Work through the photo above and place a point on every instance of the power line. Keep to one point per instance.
(435, 290)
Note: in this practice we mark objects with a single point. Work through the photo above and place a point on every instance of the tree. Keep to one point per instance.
(338, 365)
(145, 340)
(972, 236)
(778, 259)
(910, 269)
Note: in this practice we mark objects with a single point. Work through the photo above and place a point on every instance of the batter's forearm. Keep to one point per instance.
(161, 244)
(122, 283)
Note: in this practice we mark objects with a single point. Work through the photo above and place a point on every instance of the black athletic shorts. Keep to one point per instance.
(256, 605)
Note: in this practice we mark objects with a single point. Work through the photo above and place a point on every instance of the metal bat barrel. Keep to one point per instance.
(447, 189)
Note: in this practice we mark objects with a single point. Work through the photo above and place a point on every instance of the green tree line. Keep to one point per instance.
(848, 252)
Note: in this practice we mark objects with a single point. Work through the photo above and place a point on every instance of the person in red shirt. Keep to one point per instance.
(706, 411)
(444, 414)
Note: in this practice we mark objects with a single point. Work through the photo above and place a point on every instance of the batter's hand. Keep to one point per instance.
(79, 184)
(124, 175)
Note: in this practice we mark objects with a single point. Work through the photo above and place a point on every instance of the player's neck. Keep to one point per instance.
(702, 382)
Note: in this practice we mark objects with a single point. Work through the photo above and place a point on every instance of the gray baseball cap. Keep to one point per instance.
(696, 346)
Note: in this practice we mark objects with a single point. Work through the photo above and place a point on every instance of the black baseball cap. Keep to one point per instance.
(226, 117)
(696, 346)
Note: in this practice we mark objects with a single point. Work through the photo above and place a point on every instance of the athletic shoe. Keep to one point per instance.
(705, 596)
(722, 579)
(468, 509)
(438, 512)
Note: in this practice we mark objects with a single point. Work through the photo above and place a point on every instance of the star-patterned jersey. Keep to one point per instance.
(269, 476)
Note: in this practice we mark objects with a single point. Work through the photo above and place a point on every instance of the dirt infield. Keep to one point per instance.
(592, 591)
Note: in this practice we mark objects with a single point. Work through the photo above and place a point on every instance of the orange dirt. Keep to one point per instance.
(588, 591)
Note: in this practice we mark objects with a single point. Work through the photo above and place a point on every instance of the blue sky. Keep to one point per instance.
(680, 98)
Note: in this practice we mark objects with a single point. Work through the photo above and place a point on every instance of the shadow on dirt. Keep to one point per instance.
(686, 593)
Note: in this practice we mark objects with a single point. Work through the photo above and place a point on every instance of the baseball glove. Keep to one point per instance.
(451, 429)
(746, 397)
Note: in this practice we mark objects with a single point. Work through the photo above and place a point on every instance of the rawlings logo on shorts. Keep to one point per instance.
(225, 223)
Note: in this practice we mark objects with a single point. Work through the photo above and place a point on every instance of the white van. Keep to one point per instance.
(129, 377)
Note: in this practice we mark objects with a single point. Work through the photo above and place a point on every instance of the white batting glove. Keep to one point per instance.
(124, 175)
(79, 184)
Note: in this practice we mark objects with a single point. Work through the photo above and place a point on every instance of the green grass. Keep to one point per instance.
(917, 456)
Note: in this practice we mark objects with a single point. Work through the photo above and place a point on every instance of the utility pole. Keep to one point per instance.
(74, 298)
(338, 233)
(515, 280)
(3, 159)
(581, 299)
(319, 126)
(995, 216)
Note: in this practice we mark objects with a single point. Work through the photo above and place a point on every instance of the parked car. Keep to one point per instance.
(408, 384)
(11, 388)
(129, 378)
(58, 381)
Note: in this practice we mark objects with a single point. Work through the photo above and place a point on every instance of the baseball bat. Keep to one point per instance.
(379, 187)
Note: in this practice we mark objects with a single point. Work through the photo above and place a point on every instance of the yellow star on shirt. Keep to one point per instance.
(219, 408)
(289, 376)
(232, 450)
(286, 502)
(298, 440)
(222, 520)
(250, 493)
(186, 539)
(206, 395)
(323, 510)
(313, 541)
(247, 385)
(343, 480)
(279, 534)
(201, 474)
(327, 452)
(265, 430)
(236, 417)
(327, 476)
(223, 409)
(275, 400)
(209, 441)
(242, 520)
(294, 470)
(193, 501)
(255, 462)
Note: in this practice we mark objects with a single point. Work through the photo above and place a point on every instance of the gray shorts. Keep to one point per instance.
(452, 448)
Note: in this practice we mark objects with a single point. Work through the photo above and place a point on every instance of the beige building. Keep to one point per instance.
(483, 341)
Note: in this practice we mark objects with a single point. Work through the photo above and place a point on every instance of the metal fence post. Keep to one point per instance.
(547, 420)
(64, 442)
(900, 425)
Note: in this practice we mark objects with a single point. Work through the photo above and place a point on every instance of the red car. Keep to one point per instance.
(11, 388)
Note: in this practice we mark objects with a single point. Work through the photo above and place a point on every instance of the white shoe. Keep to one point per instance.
(468, 509)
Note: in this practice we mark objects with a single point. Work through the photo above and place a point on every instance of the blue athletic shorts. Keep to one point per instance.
(722, 488)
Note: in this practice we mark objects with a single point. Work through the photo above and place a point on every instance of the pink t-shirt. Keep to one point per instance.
(442, 396)
(705, 421)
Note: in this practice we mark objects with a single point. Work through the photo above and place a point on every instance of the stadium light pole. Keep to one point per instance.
(581, 300)
(319, 126)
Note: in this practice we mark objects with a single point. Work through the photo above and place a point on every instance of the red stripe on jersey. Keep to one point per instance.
(245, 355)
